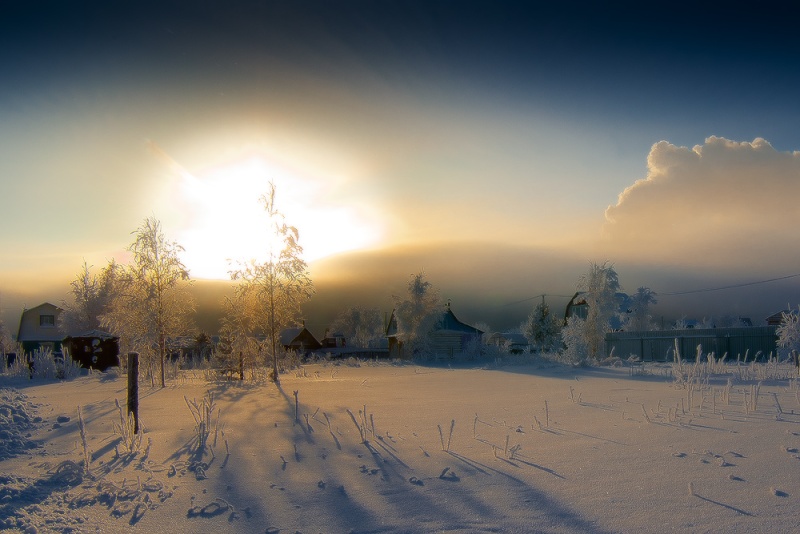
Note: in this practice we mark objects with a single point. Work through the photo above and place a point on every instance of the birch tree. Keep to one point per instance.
(274, 289)
(153, 301)
(598, 288)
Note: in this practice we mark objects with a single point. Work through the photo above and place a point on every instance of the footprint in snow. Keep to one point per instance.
(448, 475)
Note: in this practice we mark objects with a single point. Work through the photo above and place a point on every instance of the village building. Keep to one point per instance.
(300, 340)
(93, 350)
(449, 338)
(38, 329)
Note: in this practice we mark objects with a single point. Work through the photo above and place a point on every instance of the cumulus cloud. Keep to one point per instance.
(720, 204)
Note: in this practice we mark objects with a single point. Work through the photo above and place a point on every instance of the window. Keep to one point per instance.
(47, 320)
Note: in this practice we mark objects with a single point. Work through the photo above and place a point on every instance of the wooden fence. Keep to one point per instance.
(659, 345)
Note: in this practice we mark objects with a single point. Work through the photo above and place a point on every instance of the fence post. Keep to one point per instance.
(133, 389)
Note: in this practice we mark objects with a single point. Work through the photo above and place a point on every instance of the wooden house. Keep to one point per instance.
(300, 340)
(38, 329)
(448, 338)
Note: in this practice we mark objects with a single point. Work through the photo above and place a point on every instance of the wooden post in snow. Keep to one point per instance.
(133, 389)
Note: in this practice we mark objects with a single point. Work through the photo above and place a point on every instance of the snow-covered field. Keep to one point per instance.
(409, 448)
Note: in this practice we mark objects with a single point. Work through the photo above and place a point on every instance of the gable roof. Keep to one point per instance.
(449, 322)
(777, 318)
(299, 337)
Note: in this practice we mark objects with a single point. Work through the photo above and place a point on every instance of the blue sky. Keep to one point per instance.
(499, 132)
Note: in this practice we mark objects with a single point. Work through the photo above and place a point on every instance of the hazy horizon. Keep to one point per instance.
(498, 146)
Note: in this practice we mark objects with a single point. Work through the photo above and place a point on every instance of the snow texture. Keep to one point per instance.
(379, 447)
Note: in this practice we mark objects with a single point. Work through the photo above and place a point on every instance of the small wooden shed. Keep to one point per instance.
(94, 350)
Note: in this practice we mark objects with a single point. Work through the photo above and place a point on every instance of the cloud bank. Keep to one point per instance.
(727, 205)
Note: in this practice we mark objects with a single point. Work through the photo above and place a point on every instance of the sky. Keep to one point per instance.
(498, 146)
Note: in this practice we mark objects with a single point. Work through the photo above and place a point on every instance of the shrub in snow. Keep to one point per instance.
(576, 346)
(20, 368)
(69, 368)
(44, 365)
(789, 333)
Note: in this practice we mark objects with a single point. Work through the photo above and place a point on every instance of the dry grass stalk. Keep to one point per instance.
(86, 456)
(203, 414)
(131, 441)
(647, 417)
(539, 423)
(546, 415)
(360, 428)
(450, 436)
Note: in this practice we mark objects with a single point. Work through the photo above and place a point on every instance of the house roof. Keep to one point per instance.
(449, 322)
(777, 317)
(98, 334)
(290, 336)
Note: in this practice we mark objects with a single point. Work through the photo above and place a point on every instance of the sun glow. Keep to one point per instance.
(224, 222)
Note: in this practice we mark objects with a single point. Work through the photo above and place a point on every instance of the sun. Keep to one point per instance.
(223, 223)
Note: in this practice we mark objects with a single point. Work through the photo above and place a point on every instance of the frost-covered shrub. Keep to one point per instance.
(69, 368)
(44, 365)
(789, 333)
(20, 368)
(576, 346)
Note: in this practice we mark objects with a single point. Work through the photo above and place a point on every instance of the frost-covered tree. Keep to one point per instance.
(416, 312)
(640, 318)
(598, 288)
(789, 332)
(238, 347)
(681, 324)
(275, 288)
(573, 336)
(359, 325)
(153, 301)
(91, 298)
(6, 342)
(542, 329)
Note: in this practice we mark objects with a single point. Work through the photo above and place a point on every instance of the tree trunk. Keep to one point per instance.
(162, 350)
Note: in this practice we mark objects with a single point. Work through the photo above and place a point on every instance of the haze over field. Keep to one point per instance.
(499, 146)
